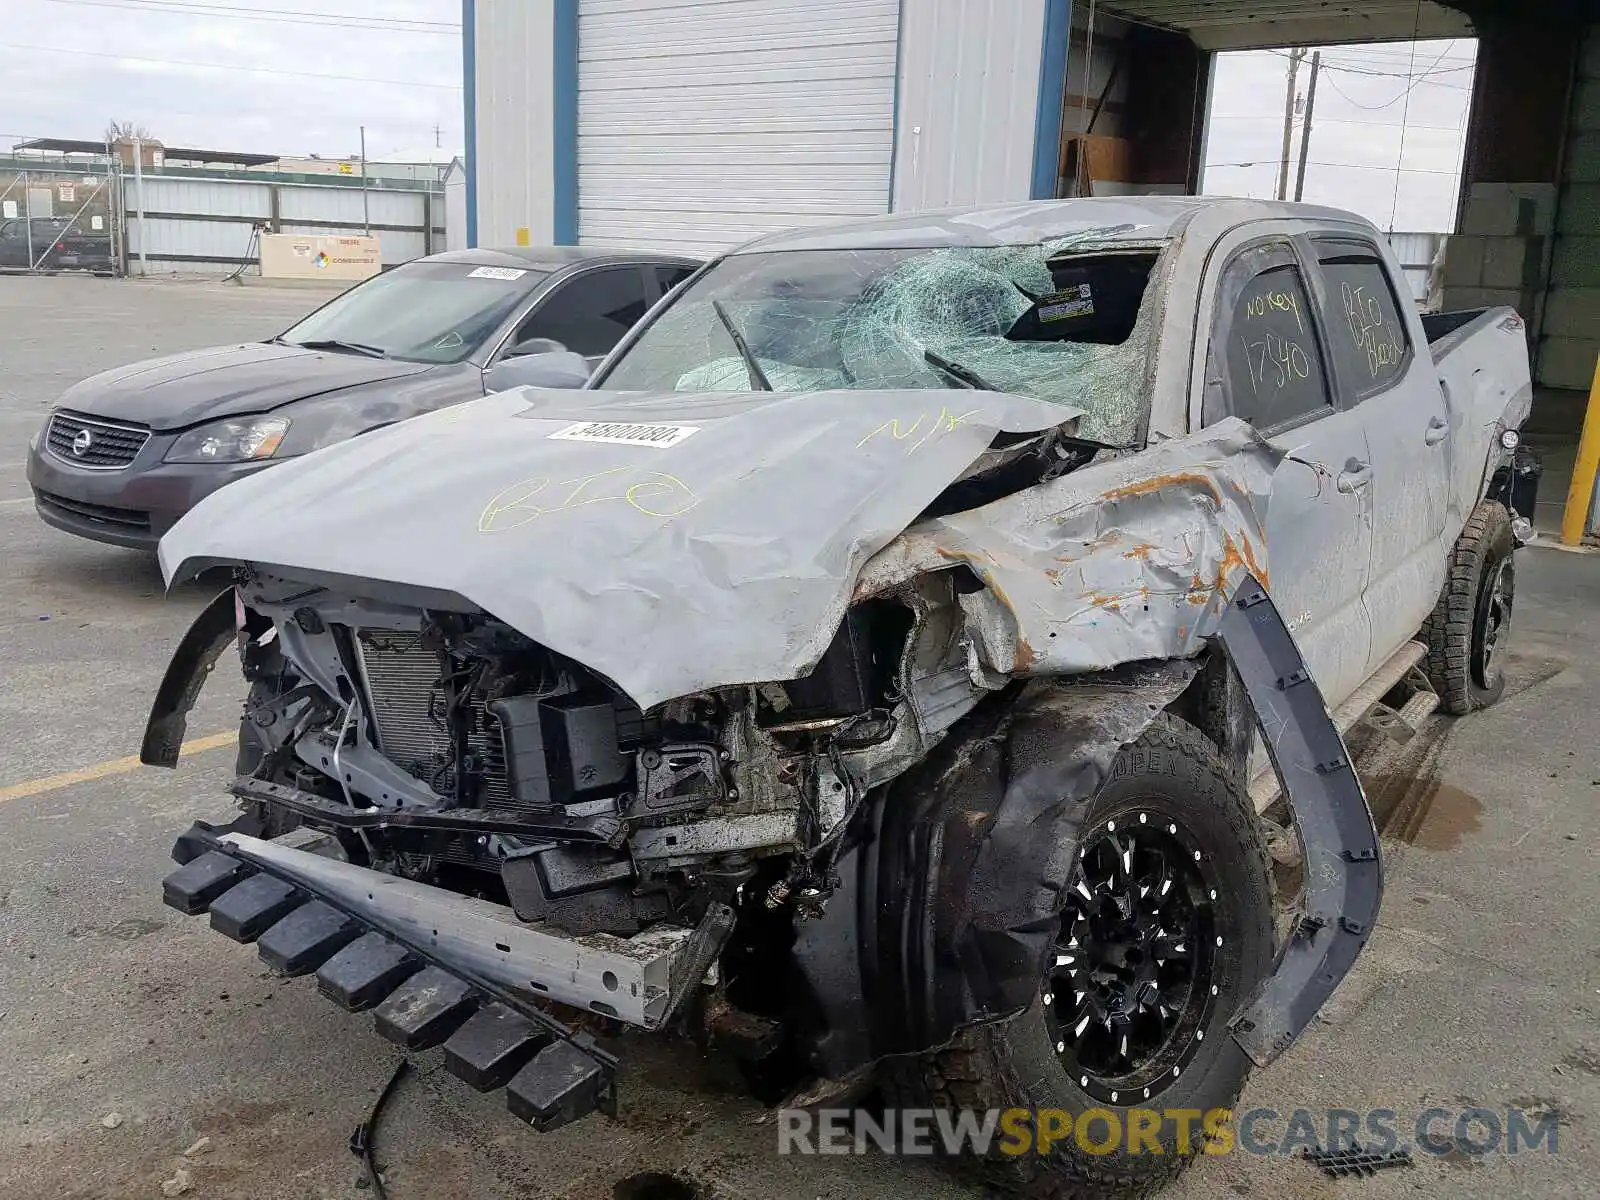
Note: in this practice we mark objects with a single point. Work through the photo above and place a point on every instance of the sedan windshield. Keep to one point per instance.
(436, 312)
(1058, 321)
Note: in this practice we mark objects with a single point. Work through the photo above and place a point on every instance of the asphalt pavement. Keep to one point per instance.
(130, 1034)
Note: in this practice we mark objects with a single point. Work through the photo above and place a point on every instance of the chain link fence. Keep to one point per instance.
(59, 213)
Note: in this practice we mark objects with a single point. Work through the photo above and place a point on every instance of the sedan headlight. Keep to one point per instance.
(242, 439)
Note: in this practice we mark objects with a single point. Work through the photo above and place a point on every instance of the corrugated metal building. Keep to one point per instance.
(697, 125)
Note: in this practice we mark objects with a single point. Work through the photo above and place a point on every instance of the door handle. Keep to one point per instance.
(1438, 430)
(1355, 476)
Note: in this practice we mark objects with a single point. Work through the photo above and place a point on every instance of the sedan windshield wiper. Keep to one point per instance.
(336, 344)
(965, 376)
(758, 377)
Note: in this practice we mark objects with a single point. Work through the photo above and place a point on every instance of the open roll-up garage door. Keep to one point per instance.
(701, 125)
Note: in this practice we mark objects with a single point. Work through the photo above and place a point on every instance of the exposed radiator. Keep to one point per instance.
(408, 706)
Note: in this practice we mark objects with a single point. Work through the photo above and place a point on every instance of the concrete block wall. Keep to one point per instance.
(1569, 336)
(1498, 257)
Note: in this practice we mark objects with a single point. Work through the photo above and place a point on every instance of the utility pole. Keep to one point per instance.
(366, 220)
(1305, 125)
(138, 193)
(1296, 53)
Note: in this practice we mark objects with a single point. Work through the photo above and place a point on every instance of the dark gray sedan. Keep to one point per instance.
(129, 451)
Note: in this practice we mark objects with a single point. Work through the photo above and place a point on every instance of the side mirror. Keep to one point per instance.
(533, 345)
(550, 369)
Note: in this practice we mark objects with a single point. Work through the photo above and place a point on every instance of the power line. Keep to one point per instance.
(1405, 94)
(1377, 70)
(1348, 121)
(338, 20)
(1379, 50)
(1262, 162)
(1377, 74)
(1381, 74)
(180, 62)
(1356, 103)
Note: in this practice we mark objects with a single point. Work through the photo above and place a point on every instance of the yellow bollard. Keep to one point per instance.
(1581, 493)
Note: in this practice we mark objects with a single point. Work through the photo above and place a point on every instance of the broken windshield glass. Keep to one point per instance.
(1046, 320)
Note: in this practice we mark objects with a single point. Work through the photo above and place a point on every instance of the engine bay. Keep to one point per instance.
(448, 748)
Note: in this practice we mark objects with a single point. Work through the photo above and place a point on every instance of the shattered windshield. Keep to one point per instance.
(1055, 321)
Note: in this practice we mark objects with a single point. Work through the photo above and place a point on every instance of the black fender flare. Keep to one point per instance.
(213, 630)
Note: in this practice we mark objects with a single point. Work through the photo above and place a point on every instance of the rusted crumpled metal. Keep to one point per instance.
(1128, 558)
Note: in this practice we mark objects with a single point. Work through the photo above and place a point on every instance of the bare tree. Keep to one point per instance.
(117, 131)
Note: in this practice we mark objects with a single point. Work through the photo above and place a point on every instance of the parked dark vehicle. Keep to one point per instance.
(129, 451)
(54, 243)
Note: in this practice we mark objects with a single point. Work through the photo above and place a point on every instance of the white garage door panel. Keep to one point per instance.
(703, 124)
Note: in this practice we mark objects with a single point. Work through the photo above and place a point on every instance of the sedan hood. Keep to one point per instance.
(223, 381)
(673, 542)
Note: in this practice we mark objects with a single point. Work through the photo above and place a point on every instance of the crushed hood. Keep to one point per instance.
(669, 562)
(225, 381)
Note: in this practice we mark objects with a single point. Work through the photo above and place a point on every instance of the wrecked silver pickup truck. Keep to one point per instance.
(879, 667)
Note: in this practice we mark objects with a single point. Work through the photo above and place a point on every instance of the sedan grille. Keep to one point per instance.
(91, 442)
(98, 514)
(407, 702)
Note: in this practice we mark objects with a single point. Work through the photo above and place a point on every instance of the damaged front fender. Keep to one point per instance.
(1127, 559)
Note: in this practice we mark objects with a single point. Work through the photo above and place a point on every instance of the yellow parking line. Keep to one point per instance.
(116, 766)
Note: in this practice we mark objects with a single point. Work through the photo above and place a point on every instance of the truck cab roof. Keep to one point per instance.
(1134, 219)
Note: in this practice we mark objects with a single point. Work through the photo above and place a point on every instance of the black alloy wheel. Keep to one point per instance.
(1131, 985)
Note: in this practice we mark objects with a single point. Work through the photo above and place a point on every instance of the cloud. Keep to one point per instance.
(180, 74)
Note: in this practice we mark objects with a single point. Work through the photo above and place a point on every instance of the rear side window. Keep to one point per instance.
(591, 313)
(1366, 334)
(1265, 363)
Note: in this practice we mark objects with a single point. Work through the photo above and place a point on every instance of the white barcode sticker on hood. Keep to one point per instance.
(625, 434)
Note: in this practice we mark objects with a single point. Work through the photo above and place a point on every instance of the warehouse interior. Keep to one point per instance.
(1528, 221)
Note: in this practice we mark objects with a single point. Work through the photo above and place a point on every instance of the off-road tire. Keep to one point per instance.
(1173, 769)
(1455, 631)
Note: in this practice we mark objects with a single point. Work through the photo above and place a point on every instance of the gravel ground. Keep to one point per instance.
(1480, 988)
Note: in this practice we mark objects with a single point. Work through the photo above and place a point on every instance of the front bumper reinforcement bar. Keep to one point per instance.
(435, 967)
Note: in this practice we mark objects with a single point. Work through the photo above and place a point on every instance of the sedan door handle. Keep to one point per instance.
(1438, 430)
(1355, 476)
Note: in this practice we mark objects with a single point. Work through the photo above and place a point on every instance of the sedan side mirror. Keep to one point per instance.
(550, 369)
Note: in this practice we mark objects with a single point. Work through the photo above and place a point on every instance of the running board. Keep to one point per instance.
(1264, 788)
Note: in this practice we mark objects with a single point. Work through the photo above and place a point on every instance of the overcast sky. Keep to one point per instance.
(235, 74)
(1361, 105)
(274, 76)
